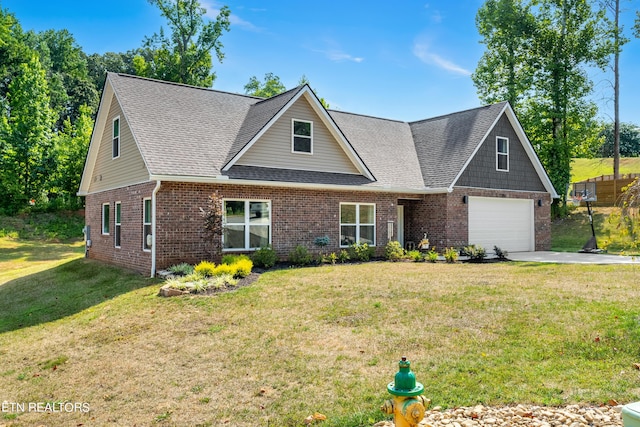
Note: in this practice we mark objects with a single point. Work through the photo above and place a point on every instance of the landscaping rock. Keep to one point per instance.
(521, 415)
(166, 291)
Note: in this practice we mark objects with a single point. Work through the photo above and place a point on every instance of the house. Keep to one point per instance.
(290, 171)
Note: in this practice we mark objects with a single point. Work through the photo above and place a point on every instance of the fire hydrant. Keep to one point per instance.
(407, 406)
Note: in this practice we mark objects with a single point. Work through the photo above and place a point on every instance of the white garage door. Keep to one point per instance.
(506, 223)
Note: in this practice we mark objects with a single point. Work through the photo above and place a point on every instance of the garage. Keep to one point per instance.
(502, 222)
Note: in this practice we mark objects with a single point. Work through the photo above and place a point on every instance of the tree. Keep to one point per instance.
(629, 144)
(503, 73)
(98, 65)
(185, 55)
(553, 53)
(270, 87)
(213, 217)
(26, 158)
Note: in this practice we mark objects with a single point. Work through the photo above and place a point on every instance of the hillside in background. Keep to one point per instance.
(582, 169)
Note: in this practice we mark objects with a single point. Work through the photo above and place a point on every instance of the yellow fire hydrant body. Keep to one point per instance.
(407, 406)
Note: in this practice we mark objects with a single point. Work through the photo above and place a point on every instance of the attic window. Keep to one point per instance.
(302, 137)
(115, 145)
(502, 154)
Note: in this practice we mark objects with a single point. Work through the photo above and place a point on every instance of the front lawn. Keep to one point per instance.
(321, 339)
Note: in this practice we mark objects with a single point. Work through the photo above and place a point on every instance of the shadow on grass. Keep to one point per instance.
(39, 251)
(62, 291)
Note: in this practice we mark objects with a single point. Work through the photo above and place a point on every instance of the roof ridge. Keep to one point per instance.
(457, 112)
(208, 89)
(366, 115)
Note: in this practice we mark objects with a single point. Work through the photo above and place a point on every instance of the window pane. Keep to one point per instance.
(302, 144)
(502, 145)
(347, 235)
(234, 237)
(348, 214)
(367, 234)
(116, 128)
(502, 161)
(146, 236)
(147, 211)
(258, 236)
(118, 235)
(259, 213)
(301, 128)
(234, 211)
(105, 219)
(367, 214)
(118, 213)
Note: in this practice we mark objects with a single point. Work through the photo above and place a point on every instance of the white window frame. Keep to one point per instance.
(115, 139)
(145, 247)
(246, 223)
(358, 224)
(105, 219)
(294, 136)
(502, 153)
(117, 227)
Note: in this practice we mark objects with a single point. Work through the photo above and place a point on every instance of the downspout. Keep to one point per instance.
(153, 228)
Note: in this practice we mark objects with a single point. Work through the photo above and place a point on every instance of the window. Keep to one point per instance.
(357, 224)
(302, 137)
(115, 145)
(247, 224)
(146, 225)
(502, 154)
(105, 218)
(118, 223)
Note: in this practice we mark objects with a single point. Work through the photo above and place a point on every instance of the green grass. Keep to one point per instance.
(323, 339)
(582, 169)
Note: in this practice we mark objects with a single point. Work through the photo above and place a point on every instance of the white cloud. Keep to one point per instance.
(338, 56)
(213, 10)
(421, 50)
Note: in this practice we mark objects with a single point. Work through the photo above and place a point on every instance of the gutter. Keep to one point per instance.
(153, 228)
(223, 179)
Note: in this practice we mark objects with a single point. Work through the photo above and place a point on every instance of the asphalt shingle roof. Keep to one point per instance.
(188, 131)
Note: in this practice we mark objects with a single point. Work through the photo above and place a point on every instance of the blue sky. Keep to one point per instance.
(405, 60)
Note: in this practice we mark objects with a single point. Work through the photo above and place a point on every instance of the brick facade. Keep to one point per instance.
(298, 217)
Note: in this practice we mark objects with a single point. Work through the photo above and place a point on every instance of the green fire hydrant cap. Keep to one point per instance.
(405, 381)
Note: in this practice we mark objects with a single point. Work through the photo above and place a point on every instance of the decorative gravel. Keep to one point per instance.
(521, 415)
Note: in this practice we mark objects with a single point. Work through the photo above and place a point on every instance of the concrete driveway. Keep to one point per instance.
(572, 258)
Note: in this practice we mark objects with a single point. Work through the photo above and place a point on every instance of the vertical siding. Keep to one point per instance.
(273, 149)
(482, 173)
(127, 169)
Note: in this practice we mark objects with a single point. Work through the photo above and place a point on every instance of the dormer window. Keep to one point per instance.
(302, 137)
(115, 142)
(502, 154)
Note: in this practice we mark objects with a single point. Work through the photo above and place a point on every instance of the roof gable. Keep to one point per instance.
(258, 119)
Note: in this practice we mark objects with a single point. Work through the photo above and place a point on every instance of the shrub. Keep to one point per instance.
(450, 255)
(500, 253)
(224, 269)
(343, 256)
(182, 269)
(265, 257)
(300, 256)
(205, 268)
(475, 253)
(243, 267)
(415, 256)
(393, 251)
(361, 251)
(233, 258)
(432, 255)
(330, 258)
(321, 241)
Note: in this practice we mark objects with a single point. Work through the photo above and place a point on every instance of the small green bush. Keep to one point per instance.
(451, 255)
(432, 255)
(393, 251)
(224, 269)
(361, 251)
(233, 258)
(264, 257)
(182, 269)
(205, 268)
(300, 256)
(321, 241)
(416, 256)
(330, 258)
(475, 253)
(343, 256)
(500, 253)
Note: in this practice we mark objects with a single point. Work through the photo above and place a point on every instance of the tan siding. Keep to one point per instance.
(127, 169)
(273, 149)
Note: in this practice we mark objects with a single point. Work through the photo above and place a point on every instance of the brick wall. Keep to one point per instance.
(298, 217)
